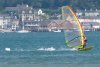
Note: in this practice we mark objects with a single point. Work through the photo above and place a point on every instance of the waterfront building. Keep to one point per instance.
(4, 20)
(90, 19)
(8, 23)
(27, 16)
(55, 25)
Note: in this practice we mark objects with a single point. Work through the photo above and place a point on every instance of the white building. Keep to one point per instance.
(89, 18)
(7, 22)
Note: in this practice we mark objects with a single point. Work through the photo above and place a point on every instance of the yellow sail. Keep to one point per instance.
(74, 35)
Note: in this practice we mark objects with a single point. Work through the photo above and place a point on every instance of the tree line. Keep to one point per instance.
(52, 4)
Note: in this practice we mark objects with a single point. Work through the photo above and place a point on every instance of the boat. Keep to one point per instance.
(23, 31)
(57, 30)
(73, 30)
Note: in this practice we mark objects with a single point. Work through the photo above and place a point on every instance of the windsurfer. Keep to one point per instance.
(85, 42)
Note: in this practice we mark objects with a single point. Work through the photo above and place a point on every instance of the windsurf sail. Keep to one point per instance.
(74, 35)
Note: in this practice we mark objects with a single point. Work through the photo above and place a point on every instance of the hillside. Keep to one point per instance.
(52, 4)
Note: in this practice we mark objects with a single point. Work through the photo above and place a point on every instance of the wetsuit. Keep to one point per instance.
(83, 46)
(85, 42)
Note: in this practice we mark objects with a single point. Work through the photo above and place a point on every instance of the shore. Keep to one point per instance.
(4, 30)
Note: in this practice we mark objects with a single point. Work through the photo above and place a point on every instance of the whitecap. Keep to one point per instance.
(7, 49)
(47, 49)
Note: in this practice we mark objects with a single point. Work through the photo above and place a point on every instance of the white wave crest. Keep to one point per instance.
(41, 49)
(7, 49)
(73, 49)
(58, 49)
(47, 49)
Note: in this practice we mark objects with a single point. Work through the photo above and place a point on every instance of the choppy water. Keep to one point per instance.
(45, 49)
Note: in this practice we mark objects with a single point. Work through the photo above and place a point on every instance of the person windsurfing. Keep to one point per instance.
(85, 42)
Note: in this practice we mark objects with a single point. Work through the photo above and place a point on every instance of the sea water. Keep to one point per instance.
(46, 49)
